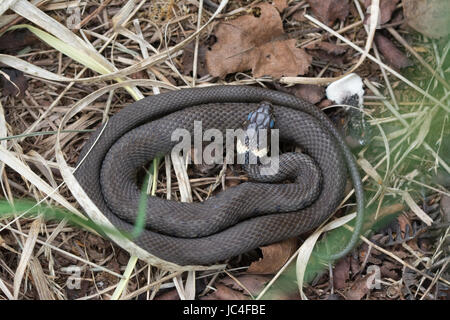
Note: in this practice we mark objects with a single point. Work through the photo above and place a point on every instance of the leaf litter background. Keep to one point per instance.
(261, 43)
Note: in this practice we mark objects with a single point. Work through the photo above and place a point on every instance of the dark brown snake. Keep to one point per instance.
(238, 219)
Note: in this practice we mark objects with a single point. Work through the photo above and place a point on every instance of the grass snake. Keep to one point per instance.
(240, 218)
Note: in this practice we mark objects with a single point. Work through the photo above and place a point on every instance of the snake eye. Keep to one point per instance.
(249, 116)
(272, 124)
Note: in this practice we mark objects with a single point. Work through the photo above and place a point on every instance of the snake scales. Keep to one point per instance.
(184, 233)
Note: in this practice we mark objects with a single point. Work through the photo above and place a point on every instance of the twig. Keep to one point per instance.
(91, 15)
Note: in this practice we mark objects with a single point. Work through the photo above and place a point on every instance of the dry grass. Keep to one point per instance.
(75, 83)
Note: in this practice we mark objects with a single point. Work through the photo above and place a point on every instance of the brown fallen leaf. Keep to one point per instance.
(325, 103)
(274, 257)
(237, 40)
(281, 59)
(224, 293)
(17, 77)
(387, 270)
(168, 295)
(254, 283)
(188, 60)
(328, 47)
(254, 42)
(328, 52)
(402, 254)
(341, 273)
(299, 16)
(387, 7)
(360, 287)
(328, 11)
(309, 92)
(394, 57)
(429, 17)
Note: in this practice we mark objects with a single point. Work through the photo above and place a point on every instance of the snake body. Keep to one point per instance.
(235, 220)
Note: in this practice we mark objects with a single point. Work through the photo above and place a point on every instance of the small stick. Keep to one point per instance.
(91, 15)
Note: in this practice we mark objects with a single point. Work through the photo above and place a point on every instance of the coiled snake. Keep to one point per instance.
(235, 220)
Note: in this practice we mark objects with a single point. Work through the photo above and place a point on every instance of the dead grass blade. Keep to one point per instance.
(13, 162)
(120, 289)
(416, 209)
(4, 5)
(179, 167)
(5, 290)
(26, 255)
(40, 280)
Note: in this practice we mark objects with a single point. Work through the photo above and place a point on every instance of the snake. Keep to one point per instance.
(240, 218)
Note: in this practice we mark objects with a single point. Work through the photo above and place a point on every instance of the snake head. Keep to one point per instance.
(260, 119)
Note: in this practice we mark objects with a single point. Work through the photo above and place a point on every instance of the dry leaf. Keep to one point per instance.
(188, 59)
(328, 52)
(237, 40)
(328, 47)
(309, 92)
(168, 295)
(252, 42)
(299, 16)
(400, 254)
(394, 57)
(274, 257)
(387, 7)
(16, 76)
(387, 270)
(281, 59)
(224, 293)
(341, 273)
(360, 287)
(325, 103)
(429, 17)
(328, 11)
(252, 282)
